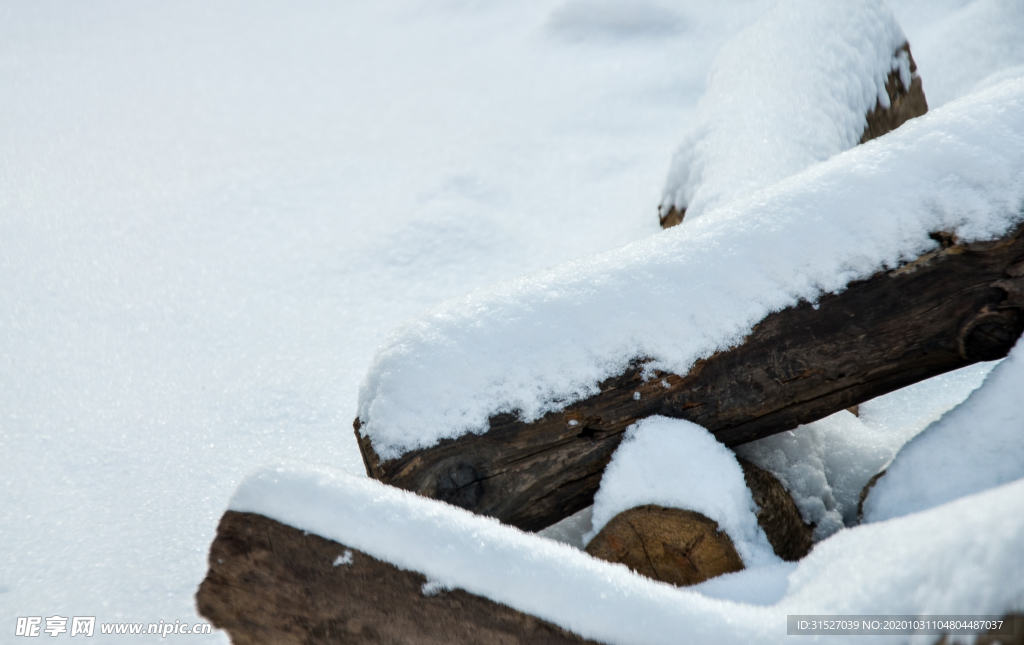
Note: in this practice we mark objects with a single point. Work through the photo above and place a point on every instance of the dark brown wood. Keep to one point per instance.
(905, 103)
(950, 308)
(777, 514)
(672, 545)
(272, 583)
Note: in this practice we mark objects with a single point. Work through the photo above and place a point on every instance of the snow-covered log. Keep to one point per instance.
(807, 81)
(885, 265)
(683, 547)
(271, 583)
(949, 308)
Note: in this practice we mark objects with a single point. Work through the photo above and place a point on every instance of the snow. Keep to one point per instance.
(540, 342)
(678, 464)
(921, 564)
(791, 90)
(974, 447)
(826, 464)
(212, 213)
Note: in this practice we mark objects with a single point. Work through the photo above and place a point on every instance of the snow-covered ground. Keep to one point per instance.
(212, 214)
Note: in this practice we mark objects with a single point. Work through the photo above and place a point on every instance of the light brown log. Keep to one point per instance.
(672, 545)
(950, 308)
(683, 547)
(271, 583)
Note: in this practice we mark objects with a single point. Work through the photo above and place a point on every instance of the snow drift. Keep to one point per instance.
(976, 446)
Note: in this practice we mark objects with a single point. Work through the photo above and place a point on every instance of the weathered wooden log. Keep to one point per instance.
(272, 583)
(905, 103)
(683, 547)
(950, 308)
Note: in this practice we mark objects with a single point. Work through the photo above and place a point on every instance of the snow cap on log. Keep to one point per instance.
(791, 90)
(678, 464)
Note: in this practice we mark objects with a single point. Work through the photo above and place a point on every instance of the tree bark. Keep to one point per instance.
(272, 583)
(952, 307)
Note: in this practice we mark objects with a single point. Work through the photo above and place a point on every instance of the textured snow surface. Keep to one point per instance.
(974, 447)
(825, 465)
(922, 564)
(678, 464)
(535, 344)
(787, 92)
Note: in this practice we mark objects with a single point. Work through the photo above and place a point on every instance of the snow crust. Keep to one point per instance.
(928, 563)
(535, 344)
(678, 464)
(791, 90)
(976, 446)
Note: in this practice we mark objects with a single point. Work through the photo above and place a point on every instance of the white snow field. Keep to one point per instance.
(212, 214)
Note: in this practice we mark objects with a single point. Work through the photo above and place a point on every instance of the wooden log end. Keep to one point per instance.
(671, 217)
(673, 545)
(272, 583)
(905, 103)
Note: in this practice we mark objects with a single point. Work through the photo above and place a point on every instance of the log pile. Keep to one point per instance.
(962, 303)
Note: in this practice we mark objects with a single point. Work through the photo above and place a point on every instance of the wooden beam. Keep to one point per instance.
(955, 306)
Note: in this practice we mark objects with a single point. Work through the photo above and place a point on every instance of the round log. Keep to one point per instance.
(669, 544)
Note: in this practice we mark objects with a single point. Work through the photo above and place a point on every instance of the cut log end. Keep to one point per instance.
(671, 217)
(669, 544)
(905, 103)
(864, 492)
